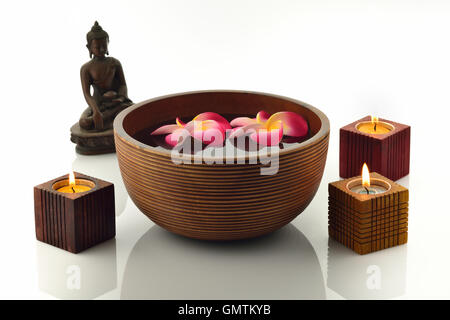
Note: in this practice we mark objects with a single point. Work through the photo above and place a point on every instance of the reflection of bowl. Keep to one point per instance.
(220, 201)
(281, 265)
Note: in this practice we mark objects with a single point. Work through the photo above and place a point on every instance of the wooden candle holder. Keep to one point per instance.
(387, 154)
(74, 221)
(367, 223)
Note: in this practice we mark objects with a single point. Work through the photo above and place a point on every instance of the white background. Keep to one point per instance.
(348, 58)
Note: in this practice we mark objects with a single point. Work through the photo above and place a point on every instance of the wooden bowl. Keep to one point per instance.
(220, 201)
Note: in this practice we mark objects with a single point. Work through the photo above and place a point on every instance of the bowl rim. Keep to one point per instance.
(120, 131)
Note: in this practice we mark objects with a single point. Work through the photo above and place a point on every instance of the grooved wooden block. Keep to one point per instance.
(367, 223)
(387, 154)
(74, 221)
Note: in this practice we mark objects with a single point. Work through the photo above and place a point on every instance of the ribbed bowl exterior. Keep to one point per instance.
(220, 201)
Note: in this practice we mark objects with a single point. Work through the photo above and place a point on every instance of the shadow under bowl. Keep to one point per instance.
(219, 201)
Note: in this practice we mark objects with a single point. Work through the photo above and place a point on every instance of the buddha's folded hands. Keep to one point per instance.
(119, 99)
(110, 94)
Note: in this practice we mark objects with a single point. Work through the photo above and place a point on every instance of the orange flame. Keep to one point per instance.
(72, 178)
(374, 119)
(365, 176)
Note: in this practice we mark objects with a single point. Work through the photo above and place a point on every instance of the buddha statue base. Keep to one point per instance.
(92, 142)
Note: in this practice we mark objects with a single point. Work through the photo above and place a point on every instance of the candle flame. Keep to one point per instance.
(72, 178)
(374, 119)
(365, 176)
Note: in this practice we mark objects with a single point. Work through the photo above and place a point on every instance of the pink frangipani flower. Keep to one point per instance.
(208, 127)
(268, 129)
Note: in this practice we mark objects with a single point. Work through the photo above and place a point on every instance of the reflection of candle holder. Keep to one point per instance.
(368, 222)
(77, 276)
(74, 221)
(386, 153)
(373, 276)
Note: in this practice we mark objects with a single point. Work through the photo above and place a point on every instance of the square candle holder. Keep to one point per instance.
(74, 221)
(386, 153)
(368, 222)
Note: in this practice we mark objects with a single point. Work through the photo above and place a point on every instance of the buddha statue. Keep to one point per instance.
(105, 75)
(93, 133)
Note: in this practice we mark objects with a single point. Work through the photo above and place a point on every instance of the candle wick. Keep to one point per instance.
(375, 127)
(73, 189)
(367, 190)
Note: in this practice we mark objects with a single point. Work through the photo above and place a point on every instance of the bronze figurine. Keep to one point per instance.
(93, 132)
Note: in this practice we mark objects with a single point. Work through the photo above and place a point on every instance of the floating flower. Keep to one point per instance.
(208, 127)
(215, 117)
(268, 129)
(261, 117)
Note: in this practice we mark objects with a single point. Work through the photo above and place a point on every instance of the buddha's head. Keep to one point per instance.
(97, 41)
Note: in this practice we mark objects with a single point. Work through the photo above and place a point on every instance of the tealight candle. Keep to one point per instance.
(374, 126)
(73, 185)
(367, 185)
(374, 189)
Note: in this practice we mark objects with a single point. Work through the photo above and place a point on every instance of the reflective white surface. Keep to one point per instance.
(350, 60)
(296, 262)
